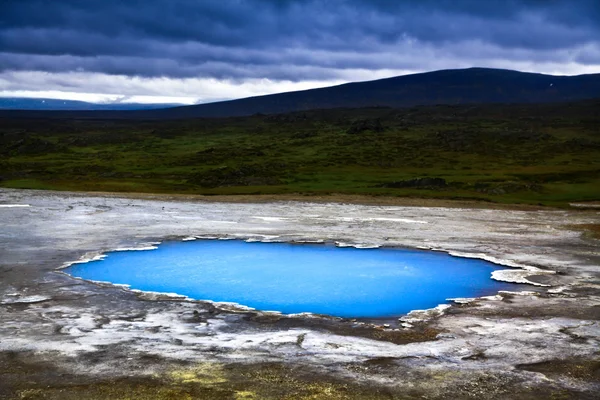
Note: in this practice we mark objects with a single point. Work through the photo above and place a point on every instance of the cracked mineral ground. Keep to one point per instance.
(66, 338)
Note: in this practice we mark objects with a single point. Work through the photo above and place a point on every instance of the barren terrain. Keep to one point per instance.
(66, 338)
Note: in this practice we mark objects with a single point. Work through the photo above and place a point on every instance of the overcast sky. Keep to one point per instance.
(204, 50)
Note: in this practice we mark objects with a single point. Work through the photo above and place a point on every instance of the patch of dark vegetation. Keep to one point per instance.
(363, 125)
(537, 154)
(588, 370)
(243, 175)
(575, 176)
(36, 376)
(593, 230)
(30, 146)
(501, 188)
(286, 118)
(418, 183)
(304, 135)
(214, 156)
(581, 144)
(42, 380)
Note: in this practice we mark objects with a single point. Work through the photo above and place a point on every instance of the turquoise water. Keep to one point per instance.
(293, 278)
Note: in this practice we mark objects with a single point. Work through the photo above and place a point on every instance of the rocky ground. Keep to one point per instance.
(63, 338)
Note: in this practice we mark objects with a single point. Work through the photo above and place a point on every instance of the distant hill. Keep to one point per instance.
(453, 87)
(25, 103)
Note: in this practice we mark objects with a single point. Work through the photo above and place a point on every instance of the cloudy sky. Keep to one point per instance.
(205, 50)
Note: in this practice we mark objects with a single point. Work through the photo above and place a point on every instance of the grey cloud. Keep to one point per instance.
(289, 40)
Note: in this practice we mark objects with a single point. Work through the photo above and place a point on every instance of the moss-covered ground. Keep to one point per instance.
(529, 154)
(270, 381)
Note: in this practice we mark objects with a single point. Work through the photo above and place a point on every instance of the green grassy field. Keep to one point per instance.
(534, 154)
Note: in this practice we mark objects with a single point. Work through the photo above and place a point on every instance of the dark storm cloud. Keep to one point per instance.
(293, 40)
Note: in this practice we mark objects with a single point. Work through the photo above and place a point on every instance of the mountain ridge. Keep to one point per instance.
(453, 87)
(48, 104)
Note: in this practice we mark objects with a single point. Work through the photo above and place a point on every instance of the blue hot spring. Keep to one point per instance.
(294, 278)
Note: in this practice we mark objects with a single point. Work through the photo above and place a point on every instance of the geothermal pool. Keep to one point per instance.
(295, 278)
